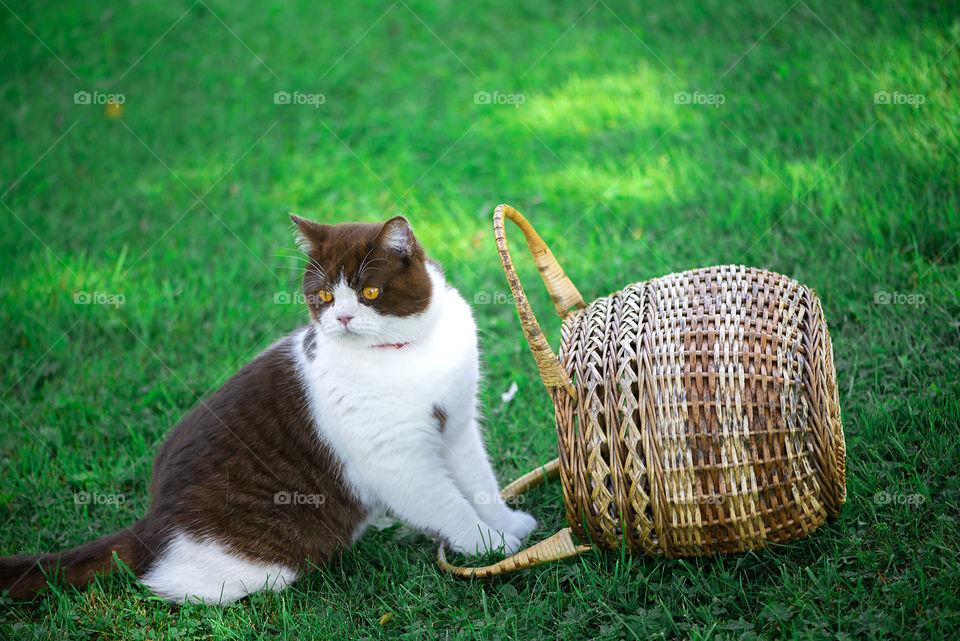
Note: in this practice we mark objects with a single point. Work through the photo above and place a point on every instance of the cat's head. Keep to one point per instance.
(367, 283)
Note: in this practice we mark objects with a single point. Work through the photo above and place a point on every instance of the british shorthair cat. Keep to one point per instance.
(372, 406)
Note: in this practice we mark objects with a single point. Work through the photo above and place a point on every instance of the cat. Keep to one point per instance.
(372, 406)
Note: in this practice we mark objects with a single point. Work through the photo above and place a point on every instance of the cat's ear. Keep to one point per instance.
(310, 235)
(397, 237)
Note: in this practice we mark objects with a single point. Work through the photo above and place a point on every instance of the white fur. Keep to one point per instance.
(374, 406)
(202, 570)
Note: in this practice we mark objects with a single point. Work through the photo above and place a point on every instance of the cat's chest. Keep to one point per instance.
(400, 377)
(392, 386)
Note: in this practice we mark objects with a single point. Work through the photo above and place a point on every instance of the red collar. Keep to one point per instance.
(393, 345)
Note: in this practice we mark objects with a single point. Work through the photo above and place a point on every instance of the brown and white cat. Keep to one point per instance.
(371, 406)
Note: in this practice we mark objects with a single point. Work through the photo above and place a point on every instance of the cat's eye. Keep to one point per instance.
(371, 293)
(325, 296)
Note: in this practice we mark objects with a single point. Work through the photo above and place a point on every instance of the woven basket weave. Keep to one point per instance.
(696, 413)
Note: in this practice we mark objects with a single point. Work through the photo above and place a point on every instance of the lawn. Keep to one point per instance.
(147, 254)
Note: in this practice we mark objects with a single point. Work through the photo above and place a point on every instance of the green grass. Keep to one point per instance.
(799, 171)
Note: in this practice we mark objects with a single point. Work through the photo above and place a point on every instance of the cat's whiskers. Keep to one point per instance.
(315, 269)
(364, 265)
(388, 336)
(304, 258)
(301, 262)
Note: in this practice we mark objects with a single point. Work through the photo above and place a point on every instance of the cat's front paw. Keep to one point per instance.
(511, 544)
(520, 524)
(487, 541)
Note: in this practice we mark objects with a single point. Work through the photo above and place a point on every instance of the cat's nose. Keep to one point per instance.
(345, 319)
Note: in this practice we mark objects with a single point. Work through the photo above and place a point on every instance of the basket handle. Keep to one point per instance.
(562, 292)
(559, 546)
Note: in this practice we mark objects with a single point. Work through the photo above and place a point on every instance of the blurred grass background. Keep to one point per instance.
(178, 205)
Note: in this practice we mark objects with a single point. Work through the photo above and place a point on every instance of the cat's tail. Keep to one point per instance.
(24, 575)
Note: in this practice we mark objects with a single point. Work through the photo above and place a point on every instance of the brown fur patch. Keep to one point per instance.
(440, 416)
(310, 343)
(244, 468)
(247, 468)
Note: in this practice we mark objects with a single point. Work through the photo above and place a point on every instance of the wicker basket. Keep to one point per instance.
(696, 413)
